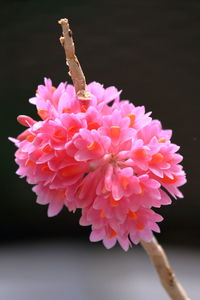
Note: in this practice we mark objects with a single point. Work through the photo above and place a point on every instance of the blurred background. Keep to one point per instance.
(149, 49)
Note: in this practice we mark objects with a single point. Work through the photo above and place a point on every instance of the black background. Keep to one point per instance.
(148, 48)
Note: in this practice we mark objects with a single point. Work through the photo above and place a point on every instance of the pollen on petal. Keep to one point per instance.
(93, 146)
(72, 130)
(115, 132)
(93, 125)
(43, 113)
(162, 140)
(59, 134)
(29, 163)
(168, 180)
(157, 158)
(113, 202)
(78, 191)
(140, 153)
(141, 193)
(66, 110)
(139, 226)
(45, 169)
(62, 194)
(70, 171)
(47, 149)
(132, 119)
(104, 191)
(132, 215)
(30, 138)
(102, 214)
(124, 182)
(112, 234)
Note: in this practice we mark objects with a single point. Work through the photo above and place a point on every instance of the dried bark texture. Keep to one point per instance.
(72, 62)
(163, 268)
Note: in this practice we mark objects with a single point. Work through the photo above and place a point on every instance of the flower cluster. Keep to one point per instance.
(102, 155)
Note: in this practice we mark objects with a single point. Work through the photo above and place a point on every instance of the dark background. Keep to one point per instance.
(148, 48)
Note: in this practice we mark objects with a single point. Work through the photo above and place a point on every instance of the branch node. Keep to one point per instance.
(62, 40)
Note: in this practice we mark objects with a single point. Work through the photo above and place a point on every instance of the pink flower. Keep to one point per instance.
(104, 156)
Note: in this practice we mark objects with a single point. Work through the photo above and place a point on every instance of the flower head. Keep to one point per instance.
(104, 156)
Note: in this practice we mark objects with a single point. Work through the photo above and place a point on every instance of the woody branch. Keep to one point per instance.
(75, 70)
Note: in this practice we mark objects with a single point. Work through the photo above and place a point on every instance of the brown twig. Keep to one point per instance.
(75, 70)
(153, 249)
(166, 274)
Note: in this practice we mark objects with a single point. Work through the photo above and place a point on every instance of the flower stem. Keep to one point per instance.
(75, 70)
(163, 268)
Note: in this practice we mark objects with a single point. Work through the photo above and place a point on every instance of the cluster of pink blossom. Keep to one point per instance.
(102, 155)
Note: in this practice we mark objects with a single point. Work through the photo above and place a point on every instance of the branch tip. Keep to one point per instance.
(75, 70)
(63, 21)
